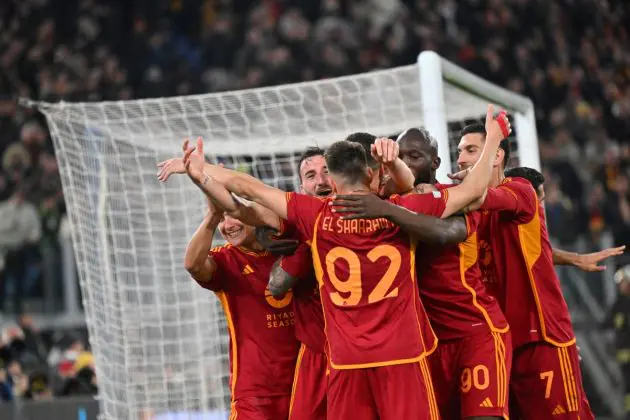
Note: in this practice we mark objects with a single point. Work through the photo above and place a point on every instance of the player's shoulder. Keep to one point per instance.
(519, 185)
(512, 181)
(222, 249)
(303, 198)
(417, 195)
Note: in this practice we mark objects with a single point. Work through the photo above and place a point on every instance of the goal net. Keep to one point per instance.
(159, 340)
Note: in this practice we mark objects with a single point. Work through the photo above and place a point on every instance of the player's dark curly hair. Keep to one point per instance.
(309, 153)
(346, 159)
(366, 140)
(481, 129)
(532, 175)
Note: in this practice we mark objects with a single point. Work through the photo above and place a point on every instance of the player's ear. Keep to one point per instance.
(436, 162)
(333, 185)
(499, 157)
(370, 173)
(541, 192)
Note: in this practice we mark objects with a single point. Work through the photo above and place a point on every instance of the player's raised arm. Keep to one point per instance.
(429, 229)
(475, 184)
(211, 180)
(241, 184)
(197, 260)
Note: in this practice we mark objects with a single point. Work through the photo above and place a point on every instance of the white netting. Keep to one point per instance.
(160, 341)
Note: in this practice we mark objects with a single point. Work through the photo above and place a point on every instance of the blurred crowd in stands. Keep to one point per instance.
(570, 56)
(37, 366)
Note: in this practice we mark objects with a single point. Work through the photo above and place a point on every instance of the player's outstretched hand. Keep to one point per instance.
(194, 160)
(590, 262)
(497, 128)
(265, 236)
(359, 206)
(384, 151)
(169, 167)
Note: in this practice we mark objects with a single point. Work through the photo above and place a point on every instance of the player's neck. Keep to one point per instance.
(352, 189)
(497, 176)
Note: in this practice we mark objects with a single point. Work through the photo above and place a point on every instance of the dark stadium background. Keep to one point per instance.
(570, 56)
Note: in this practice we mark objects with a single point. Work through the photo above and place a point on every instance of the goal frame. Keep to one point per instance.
(435, 71)
(75, 129)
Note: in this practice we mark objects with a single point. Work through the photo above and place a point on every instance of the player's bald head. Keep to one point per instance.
(421, 137)
(419, 150)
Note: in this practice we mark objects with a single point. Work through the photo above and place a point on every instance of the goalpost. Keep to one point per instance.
(159, 340)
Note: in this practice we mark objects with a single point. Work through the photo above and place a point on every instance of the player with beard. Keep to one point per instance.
(546, 380)
(260, 378)
(471, 366)
(372, 374)
(308, 394)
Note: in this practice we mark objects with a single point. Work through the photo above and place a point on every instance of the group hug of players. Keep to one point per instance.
(396, 297)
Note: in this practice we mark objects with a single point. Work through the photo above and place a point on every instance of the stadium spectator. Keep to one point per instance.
(20, 230)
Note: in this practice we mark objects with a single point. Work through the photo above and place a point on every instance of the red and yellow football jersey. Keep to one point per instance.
(309, 316)
(528, 288)
(263, 347)
(367, 278)
(452, 290)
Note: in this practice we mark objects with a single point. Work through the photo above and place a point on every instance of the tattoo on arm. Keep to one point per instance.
(279, 280)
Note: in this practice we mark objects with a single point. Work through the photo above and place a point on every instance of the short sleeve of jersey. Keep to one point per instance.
(302, 212)
(286, 231)
(221, 259)
(514, 195)
(300, 264)
(432, 203)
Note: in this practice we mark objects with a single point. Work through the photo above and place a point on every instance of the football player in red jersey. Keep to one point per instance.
(260, 378)
(546, 380)
(375, 322)
(471, 366)
(308, 397)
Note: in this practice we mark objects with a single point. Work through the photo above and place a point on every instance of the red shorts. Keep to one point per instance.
(546, 383)
(470, 375)
(382, 393)
(308, 398)
(260, 408)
